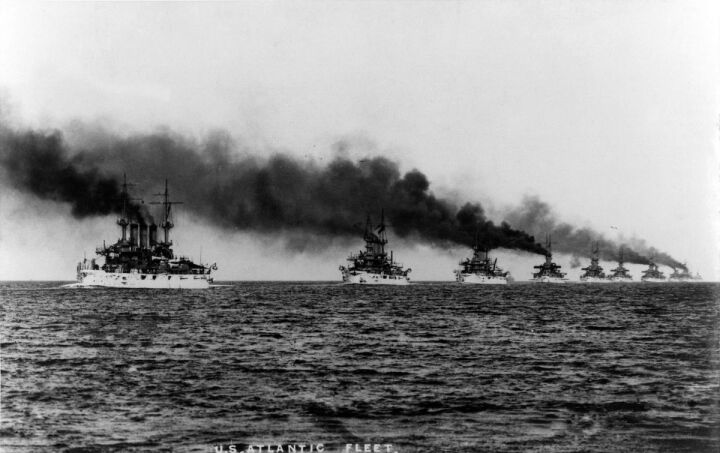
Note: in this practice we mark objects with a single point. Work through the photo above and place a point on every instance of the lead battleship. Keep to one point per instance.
(594, 272)
(548, 272)
(142, 261)
(372, 266)
(480, 269)
(620, 273)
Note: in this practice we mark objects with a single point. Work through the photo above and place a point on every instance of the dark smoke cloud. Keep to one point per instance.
(40, 163)
(234, 190)
(536, 217)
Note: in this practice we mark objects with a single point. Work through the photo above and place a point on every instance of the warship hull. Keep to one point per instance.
(137, 280)
(594, 280)
(370, 278)
(546, 279)
(620, 279)
(684, 280)
(479, 279)
(653, 280)
(142, 261)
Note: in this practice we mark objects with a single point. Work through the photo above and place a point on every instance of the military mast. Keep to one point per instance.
(375, 243)
(124, 221)
(381, 230)
(167, 223)
(548, 255)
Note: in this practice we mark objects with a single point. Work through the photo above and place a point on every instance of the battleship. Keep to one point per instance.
(372, 266)
(480, 269)
(679, 276)
(141, 261)
(652, 274)
(548, 272)
(683, 277)
(620, 273)
(594, 273)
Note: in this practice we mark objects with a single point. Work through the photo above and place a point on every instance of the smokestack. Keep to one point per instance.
(153, 235)
(134, 234)
(144, 236)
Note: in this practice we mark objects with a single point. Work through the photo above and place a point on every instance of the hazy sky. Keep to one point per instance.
(606, 110)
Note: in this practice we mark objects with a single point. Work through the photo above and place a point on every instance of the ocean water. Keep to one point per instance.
(425, 368)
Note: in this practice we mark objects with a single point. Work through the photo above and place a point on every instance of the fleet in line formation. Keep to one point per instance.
(144, 261)
(373, 266)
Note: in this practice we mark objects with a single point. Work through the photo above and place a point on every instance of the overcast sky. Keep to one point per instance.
(607, 110)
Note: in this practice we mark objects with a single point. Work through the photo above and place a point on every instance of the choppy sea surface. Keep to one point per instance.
(426, 368)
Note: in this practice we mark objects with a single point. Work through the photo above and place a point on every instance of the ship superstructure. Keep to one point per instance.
(594, 272)
(372, 266)
(480, 269)
(653, 274)
(620, 273)
(678, 276)
(548, 272)
(141, 260)
(684, 276)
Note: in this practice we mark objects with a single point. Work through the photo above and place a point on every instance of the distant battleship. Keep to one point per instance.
(480, 269)
(372, 266)
(548, 272)
(652, 274)
(684, 276)
(679, 276)
(143, 261)
(594, 273)
(620, 274)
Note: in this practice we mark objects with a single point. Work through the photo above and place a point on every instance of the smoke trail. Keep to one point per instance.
(276, 194)
(40, 163)
(536, 217)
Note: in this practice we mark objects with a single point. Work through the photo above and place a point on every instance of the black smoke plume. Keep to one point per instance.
(275, 194)
(536, 217)
(39, 163)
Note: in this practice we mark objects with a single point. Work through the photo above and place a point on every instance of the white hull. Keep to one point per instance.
(95, 278)
(654, 280)
(620, 280)
(594, 280)
(479, 279)
(549, 280)
(367, 278)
